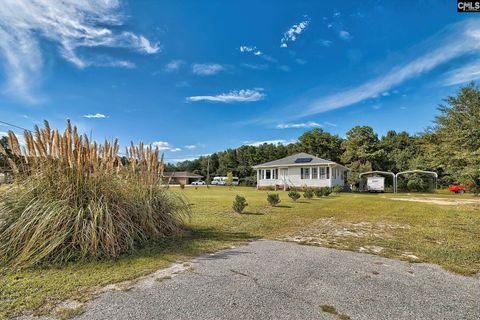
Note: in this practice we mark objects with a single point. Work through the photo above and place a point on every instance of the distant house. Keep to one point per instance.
(180, 177)
(299, 170)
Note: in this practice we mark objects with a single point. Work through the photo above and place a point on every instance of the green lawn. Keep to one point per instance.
(445, 235)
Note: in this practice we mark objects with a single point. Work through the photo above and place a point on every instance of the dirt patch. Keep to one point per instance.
(331, 232)
(439, 201)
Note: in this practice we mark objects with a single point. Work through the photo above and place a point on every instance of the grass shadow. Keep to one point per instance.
(283, 206)
(253, 213)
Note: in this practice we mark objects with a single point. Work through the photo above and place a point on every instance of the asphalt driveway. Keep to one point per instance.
(281, 280)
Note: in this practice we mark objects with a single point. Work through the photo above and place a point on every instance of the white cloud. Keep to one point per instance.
(325, 43)
(205, 69)
(310, 124)
(457, 40)
(174, 65)
(377, 106)
(330, 124)
(165, 146)
(246, 95)
(251, 49)
(467, 73)
(3, 134)
(69, 24)
(255, 66)
(276, 142)
(284, 67)
(345, 35)
(301, 61)
(291, 34)
(191, 146)
(95, 116)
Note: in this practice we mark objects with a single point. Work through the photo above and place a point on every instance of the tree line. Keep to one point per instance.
(450, 147)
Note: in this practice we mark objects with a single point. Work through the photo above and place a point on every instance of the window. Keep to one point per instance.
(328, 172)
(262, 174)
(268, 174)
(323, 173)
(314, 173)
(275, 173)
(305, 173)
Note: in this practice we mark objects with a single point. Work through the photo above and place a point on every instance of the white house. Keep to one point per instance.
(299, 170)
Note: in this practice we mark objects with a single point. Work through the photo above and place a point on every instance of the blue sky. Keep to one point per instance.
(195, 77)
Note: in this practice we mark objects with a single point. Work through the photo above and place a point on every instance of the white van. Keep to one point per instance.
(218, 181)
(222, 181)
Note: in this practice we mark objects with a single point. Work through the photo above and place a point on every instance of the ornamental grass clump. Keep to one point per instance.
(73, 199)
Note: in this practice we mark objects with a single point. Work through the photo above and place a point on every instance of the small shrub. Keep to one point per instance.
(270, 188)
(273, 199)
(326, 191)
(337, 189)
(182, 186)
(318, 192)
(239, 204)
(294, 195)
(308, 194)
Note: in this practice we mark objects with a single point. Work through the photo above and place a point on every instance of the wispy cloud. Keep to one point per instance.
(174, 65)
(310, 124)
(95, 116)
(205, 69)
(191, 146)
(165, 146)
(255, 66)
(467, 73)
(345, 35)
(70, 24)
(247, 95)
(455, 41)
(291, 34)
(330, 124)
(325, 43)
(251, 49)
(276, 142)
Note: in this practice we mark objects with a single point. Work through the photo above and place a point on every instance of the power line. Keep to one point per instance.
(14, 125)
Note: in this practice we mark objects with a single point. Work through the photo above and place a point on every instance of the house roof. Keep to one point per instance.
(182, 174)
(298, 159)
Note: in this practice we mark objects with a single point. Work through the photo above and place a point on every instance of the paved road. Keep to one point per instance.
(280, 280)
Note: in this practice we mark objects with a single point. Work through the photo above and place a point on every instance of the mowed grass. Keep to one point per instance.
(445, 235)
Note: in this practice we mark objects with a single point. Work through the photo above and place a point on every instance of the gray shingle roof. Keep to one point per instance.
(290, 161)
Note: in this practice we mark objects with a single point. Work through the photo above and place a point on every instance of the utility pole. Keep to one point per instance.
(208, 170)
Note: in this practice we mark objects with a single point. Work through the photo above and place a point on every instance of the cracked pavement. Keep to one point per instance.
(281, 280)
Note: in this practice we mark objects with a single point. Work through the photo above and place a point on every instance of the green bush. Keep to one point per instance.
(239, 204)
(308, 193)
(273, 199)
(74, 200)
(415, 184)
(326, 191)
(337, 189)
(318, 192)
(182, 186)
(294, 195)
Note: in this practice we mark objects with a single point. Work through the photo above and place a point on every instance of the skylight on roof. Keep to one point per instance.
(303, 160)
